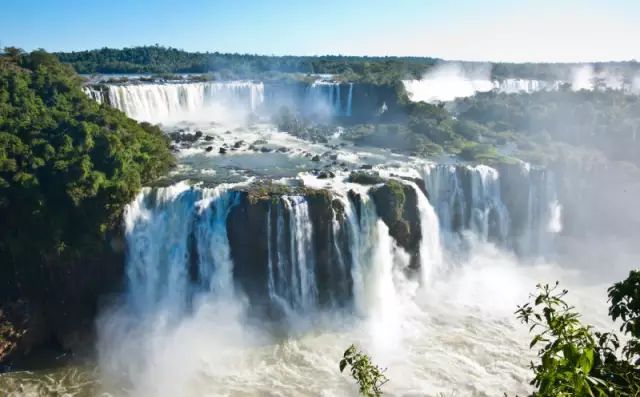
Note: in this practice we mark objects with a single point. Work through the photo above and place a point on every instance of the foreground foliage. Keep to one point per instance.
(68, 166)
(370, 377)
(575, 360)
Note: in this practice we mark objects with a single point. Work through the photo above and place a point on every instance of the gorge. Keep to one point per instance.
(252, 264)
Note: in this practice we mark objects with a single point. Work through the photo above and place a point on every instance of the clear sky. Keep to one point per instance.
(496, 30)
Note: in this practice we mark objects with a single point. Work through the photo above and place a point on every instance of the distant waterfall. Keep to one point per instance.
(173, 102)
(452, 87)
(349, 99)
(330, 95)
(156, 102)
(470, 199)
(514, 86)
(543, 219)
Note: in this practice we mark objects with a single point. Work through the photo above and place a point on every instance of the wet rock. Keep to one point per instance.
(238, 144)
(366, 167)
(397, 205)
(185, 137)
(283, 149)
(265, 149)
(326, 175)
(209, 138)
(209, 148)
(315, 158)
(365, 178)
(222, 150)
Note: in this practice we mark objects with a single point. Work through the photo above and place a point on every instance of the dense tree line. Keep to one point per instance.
(608, 121)
(157, 59)
(68, 166)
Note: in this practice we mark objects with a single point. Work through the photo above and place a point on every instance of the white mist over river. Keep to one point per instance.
(188, 324)
(450, 81)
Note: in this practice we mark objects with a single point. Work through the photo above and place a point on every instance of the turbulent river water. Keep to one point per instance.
(445, 327)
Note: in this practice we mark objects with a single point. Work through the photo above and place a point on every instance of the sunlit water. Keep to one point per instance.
(458, 337)
(451, 331)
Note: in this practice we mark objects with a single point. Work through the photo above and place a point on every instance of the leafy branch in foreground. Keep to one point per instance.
(369, 376)
(574, 361)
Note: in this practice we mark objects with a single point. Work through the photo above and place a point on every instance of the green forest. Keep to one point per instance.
(68, 166)
(159, 59)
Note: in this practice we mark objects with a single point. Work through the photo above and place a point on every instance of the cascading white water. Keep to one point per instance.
(467, 198)
(170, 102)
(174, 102)
(301, 283)
(349, 100)
(514, 86)
(543, 214)
(158, 226)
(449, 88)
(96, 95)
(431, 254)
(181, 256)
(328, 94)
(487, 204)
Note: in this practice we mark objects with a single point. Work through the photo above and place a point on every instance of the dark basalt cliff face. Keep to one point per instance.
(61, 314)
(397, 205)
(259, 231)
(262, 238)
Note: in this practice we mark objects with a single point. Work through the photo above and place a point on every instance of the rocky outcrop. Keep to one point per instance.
(260, 224)
(396, 204)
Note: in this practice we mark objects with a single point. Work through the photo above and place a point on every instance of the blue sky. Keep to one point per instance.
(499, 30)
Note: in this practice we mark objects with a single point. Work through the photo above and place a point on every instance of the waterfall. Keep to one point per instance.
(327, 96)
(301, 249)
(371, 255)
(171, 102)
(489, 217)
(514, 86)
(543, 218)
(349, 99)
(167, 102)
(177, 245)
(96, 95)
(467, 198)
(431, 255)
(301, 255)
(469, 201)
(448, 88)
